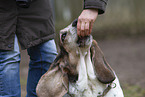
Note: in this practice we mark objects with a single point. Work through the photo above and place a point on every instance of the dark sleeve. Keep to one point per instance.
(96, 4)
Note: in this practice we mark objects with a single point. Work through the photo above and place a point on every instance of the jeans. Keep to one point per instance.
(41, 56)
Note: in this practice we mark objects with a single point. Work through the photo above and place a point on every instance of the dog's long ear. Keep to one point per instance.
(103, 70)
(54, 83)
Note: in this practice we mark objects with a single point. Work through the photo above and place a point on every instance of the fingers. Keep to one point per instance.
(79, 27)
(84, 27)
(86, 21)
(87, 26)
(91, 27)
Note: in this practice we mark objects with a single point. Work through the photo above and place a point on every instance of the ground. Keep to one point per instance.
(125, 55)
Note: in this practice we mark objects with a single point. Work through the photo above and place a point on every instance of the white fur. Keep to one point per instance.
(87, 84)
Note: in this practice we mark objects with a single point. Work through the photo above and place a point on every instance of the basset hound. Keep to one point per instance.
(79, 70)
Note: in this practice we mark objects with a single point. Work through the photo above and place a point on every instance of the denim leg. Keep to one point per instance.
(41, 57)
(9, 72)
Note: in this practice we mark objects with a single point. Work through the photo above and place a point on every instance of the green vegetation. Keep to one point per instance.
(133, 91)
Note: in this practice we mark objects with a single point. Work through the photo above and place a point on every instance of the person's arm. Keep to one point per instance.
(96, 4)
(88, 16)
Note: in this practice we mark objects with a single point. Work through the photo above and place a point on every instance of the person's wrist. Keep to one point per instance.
(92, 9)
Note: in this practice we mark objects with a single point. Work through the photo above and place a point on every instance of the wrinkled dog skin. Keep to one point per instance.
(79, 70)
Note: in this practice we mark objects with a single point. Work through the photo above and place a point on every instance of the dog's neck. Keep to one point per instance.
(84, 68)
(76, 54)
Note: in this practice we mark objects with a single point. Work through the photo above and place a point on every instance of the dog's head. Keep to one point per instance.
(71, 42)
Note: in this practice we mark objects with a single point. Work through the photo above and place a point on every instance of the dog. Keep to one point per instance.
(79, 70)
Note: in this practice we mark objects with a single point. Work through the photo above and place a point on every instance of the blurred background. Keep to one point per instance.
(120, 33)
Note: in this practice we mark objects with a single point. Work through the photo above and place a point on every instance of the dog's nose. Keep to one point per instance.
(74, 23)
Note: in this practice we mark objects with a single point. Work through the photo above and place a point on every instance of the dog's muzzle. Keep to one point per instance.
(83, 41)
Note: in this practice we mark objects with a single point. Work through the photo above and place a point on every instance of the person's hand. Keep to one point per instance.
(86, 21)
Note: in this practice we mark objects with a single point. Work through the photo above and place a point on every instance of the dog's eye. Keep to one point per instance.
(63, 36)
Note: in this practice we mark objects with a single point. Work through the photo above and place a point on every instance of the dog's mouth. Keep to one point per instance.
(83, 41)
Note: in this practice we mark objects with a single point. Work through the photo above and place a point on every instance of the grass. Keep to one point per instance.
(133, 91)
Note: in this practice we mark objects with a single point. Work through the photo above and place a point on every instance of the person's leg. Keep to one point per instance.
(41, 57)
(9, 72)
